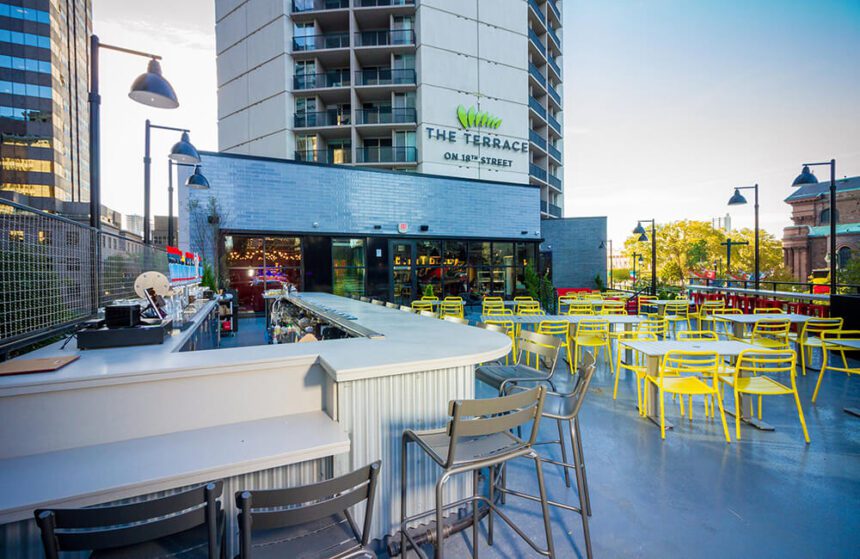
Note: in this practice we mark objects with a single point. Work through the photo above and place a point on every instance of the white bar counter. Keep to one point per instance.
(146, 396)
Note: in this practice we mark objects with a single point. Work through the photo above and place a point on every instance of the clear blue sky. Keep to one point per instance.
(669, 103)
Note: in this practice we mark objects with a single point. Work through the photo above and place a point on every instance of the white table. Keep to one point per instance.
(655, 351)
(741, 321)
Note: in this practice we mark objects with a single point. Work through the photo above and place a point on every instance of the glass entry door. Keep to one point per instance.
(402, 275)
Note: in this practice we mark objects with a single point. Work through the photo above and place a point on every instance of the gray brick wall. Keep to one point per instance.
(279, 195)
(576, 254)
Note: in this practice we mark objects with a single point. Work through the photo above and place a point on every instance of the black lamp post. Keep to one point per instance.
(196, 181)
(150, 88)
(611, 282)
(643, 237)
(181, 152)
(738, 199)
(806, 177)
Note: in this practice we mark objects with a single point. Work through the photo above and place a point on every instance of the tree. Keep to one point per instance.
(204, 225)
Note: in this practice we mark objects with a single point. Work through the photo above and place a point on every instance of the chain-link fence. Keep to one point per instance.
(48, 272)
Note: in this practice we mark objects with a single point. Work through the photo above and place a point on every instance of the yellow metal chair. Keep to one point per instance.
(493, 310)
(809, 337)
(637, 364)
(644, 302)
(566, 300)
(768, 310)
(593, 332)
(706, 311)
(696, 335)
(684, 373)
(560, 329)
(451, 308)
(727, 325)
(752, 375)
(676, 312)
(431, 298)
(613, 307)
(526, 298)
(527, 307)
(422, 305)
(770, 333)
(580, 308)
(830, 342)
(492, 304)
(657, 326)
(453, 299)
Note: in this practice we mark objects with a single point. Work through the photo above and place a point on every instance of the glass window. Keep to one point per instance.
(283, 251)
(455, 253)
(479, 253)
(243, 251)
(503, 254)
(526, 255)
(348, 281)
(429, 253)
(348, 253)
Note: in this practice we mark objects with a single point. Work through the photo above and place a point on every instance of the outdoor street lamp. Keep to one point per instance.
(806, 177)
(643, 237)
(181, 152)
(738, 199)
(194, 181)
(636, 258)
(150, 88)
(603, 246)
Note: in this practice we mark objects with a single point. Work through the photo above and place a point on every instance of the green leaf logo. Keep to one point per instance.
(472, 118)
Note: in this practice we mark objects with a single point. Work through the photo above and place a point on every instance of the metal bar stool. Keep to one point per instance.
(479, 435)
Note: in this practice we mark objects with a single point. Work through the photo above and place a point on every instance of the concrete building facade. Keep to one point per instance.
(463, 88)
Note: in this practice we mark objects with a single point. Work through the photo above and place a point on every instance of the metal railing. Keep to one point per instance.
(535, 105)
(56, 272)
(554, 181)
(332, 156)
(386, 115)
(554, 94)
(320, 42)
(387, 154)
(556, 125)
(771, 285)
(385, 76)
(534, 6)
(554, 65)
(551, 32)
(537, 139)
(551, 209)
(375, 3)
(321, 118)
(385, 37)
(535, 72)
(537, 42)
(321, 81)
(554, 7)
(554, 152)
(318, 5)
(536, 171)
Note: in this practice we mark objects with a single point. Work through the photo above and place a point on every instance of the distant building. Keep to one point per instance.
(806, 243)
(159, 231)
(134, 224)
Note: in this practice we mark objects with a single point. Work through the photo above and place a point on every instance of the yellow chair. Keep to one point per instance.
(580, 308)
(684, 373)
(593, 332)
(558, 328)
(492, 303)
(613, 307)
(453, 299)
(706, 311)
(810, 337)
(527, 307)
(696, 335)
(496, 311)
(526, 298)
(510, 329)
(770, 333)
(768, 310)
(645, 302)
(637, 364)
(676, 312)
(566, 300)
(830, 342)
(727, 325)
(422, 305)
(658, 326)
(752, 375)
(451, 308)
(431, 298)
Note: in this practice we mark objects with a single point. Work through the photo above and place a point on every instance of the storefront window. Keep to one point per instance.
(348, 261)
(479, 253)
(256, 264)
(503, 254)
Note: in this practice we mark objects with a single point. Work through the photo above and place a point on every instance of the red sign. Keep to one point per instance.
(402, 227)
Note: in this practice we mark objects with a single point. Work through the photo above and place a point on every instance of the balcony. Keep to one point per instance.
(554, 65)
(554, 94)
(385, 38)
(551, 32)
(538, 44)
(537, 172)
(554, 7)
(535, 105)
(387, 154)
(386, 115)
(536, 10)
(335, 156)
(535, 73)
(554, 124)
(300, 6)
(550, 209)
(385, 76)
(554, 152)
(321, 42)
(320, 118)
(321, 81)
(554, 181)
(382, 3)
(537, 139)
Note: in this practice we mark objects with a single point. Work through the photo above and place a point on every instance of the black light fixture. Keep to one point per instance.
(184, 152)
(643, 237)
(196, 180)
(806, 177)
(377, 227)
(738, 199)
(150, 88)
(425, 228)
(639, 230)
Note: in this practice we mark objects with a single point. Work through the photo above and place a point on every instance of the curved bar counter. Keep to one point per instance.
(124, 422)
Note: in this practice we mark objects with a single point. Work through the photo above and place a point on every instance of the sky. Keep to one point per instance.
(669, 104)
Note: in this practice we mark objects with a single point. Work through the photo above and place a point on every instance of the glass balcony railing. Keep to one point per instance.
(554, 65)
(533, 70)
(537, 42)
(556, 125)
(554, 94)
(318, 5)
(321, 118)
(536, 139)
(387, 154)
(554, 152)
(375, 3)
(534, 6)
(536, 171)
(385, 76)
(321, 42)
(554, 181)
(551, 32)
(321, 81)
(385, 37)
(551, 209)
(535, 105)
(334, 156)
(554, 7)
(386, 115)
